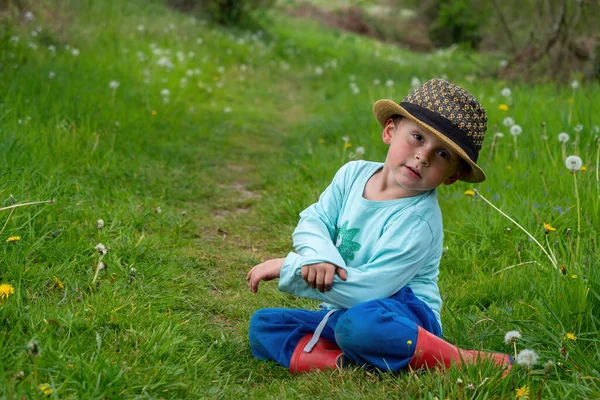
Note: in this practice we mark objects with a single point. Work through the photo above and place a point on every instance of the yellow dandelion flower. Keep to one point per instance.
(583, 168)
(570, 100)
(154, 113)
(548, 228)
(503, 107)
(570, 336)
(59, 283)
(321, 140)
(509, 167)
(348, 145)
(409, 342)
(574, 276)
(46, 389)
(13, 239)
(522, 393)
(469, 192)
(6, 290)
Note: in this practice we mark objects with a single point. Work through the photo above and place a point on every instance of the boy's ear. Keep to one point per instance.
(453, 178)
(388, 131)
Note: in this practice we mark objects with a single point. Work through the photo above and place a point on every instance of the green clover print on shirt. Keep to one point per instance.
(344, 243)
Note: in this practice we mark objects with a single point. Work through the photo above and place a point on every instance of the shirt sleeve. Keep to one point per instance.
(399, 255)
(314, 235)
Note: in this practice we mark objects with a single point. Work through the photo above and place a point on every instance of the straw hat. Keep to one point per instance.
(450, 113)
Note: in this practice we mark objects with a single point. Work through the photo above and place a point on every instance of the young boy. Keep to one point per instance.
(370, 247)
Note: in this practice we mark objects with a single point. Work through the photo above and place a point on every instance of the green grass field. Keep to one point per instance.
(198, 146)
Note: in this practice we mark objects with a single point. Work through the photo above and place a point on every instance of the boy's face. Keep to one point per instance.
(417, 160)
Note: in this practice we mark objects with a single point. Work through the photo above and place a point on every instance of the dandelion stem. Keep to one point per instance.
(544, 182)
(27, 204)
(516, 148)
(550, 249)
(517, 224)
(515, 347)
(564, 150)
(7, 219)
(578, 215)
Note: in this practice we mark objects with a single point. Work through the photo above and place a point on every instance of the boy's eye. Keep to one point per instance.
(444, 154)
(417, 136)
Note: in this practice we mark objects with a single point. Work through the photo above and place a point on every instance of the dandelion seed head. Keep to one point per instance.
(575, 84)
(499, 135)
(563, 137)
(573, 163)
(415, 82)
(100, 224)
(75, 52)
(527, 358)
(102, 249)
(33, 348)
(516, 130)
(113, 85)
(578, 128)
(360, 151)
(508, 121)
(511, 337)
(506, 92)
(389, 83)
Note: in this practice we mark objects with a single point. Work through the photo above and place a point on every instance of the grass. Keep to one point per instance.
(197, 188)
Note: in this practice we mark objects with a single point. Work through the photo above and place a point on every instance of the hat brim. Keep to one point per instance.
(384, 109)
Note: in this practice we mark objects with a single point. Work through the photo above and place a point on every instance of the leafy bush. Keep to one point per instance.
(456, 22)
(231, 12)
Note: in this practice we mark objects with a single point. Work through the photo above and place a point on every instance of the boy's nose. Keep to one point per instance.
(423, 158)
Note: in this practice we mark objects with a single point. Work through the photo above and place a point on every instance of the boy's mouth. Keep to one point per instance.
(413, 172)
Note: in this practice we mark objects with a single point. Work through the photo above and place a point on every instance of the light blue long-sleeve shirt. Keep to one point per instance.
(382, 245)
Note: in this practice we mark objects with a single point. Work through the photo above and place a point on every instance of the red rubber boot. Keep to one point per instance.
(324, 355)
(434, 352)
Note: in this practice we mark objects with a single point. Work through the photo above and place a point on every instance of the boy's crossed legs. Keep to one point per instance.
(379, 333)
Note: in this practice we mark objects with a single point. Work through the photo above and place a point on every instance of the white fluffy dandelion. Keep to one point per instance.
(511, 337)
(578, 128)
(415, 82)
(506, 92)
(360, 151)
(113, 85)
(563, 137)
(516, 130)
(499, 134)
(527, 358)
(51, 75)
(100, 224)
(389, 83)
(102, 249)
(75, 52)
(508, 121)
(573, 163)
(575, 84)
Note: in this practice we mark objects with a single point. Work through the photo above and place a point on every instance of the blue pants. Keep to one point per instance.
(376, 332)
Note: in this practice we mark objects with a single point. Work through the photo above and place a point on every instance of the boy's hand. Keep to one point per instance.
(264, 272)
(320, 275)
